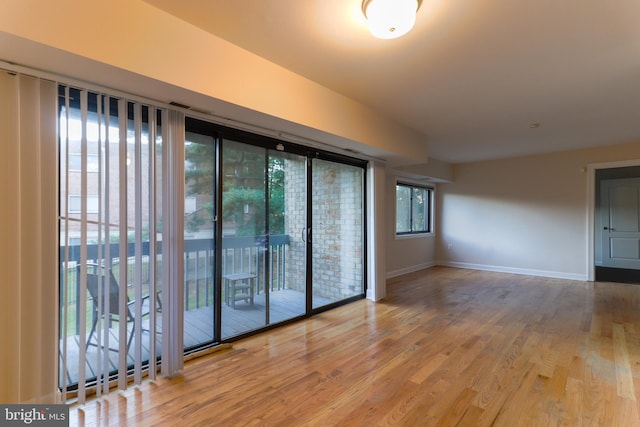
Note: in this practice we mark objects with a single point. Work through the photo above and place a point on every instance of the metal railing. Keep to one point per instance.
(246, 254)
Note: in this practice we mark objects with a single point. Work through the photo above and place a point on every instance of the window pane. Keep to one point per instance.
(403, 209)
(419, 207)
(199, 243)
(244, 238)
(107, 249)
(75, 162)
(75, 204)
(413, 209)
(338, 236)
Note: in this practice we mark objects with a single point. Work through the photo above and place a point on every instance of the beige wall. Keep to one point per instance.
(407, 254)
(97, 41)
(527, 215)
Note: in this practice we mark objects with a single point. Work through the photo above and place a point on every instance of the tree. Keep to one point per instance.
(199, 178)
(243, 197)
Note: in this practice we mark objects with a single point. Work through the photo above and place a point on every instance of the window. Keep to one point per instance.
(75, 204)
(250, 203)
(75, 162)
(110, 216)
(413, 209)
(190, 205)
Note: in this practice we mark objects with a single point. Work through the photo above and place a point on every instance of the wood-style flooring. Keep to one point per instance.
(198, 329)
(446, 347)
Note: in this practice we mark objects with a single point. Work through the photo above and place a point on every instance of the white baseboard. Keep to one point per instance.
(407, 270)
(525, 271)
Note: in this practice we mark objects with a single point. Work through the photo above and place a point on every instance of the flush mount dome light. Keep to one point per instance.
(389, 19)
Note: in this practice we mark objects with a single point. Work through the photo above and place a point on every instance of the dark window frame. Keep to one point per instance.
(428, 215)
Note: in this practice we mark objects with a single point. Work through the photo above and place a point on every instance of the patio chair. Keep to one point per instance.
(94, 272)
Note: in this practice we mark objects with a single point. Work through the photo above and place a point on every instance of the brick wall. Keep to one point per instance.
(337, 228)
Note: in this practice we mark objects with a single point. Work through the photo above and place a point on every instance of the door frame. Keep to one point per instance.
(591, 207)
(222, 133)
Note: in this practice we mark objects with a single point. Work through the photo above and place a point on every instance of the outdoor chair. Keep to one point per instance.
(94, 273)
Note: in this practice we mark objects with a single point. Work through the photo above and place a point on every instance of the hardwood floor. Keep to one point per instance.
(283, 305)
(447, 347)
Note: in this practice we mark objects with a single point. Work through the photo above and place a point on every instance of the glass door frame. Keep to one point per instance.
(220, 133)
(203, 127)
(344, 160)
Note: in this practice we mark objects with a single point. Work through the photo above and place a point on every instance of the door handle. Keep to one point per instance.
(610, 229)
(306, 235)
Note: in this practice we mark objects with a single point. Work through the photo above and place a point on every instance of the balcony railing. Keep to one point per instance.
(239, 254)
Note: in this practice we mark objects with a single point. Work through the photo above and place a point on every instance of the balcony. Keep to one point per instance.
(275, 299)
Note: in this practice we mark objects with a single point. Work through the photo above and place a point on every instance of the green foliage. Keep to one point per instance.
(244, 199)
(131, 237)
(199, 168)
(197, 219)
(233, 207)
(243, 188)
(199, 176)
(276, 195)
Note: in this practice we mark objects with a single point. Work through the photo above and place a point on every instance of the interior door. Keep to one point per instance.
(621, 223)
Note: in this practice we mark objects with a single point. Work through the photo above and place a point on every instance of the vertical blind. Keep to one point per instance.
(114, 269)
(27, 226)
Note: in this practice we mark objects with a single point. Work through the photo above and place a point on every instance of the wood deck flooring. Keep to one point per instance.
(447, 347)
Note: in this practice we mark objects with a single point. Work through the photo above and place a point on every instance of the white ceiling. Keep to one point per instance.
(472, 75)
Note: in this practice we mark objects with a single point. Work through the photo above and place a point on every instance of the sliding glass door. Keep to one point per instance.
(109, 213)
(199, 239)
(272, 232)
(287, 239)
(263, 270)
(337, 253)
(244, 246)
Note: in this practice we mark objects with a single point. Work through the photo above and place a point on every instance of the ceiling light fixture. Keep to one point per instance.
(390, 19)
